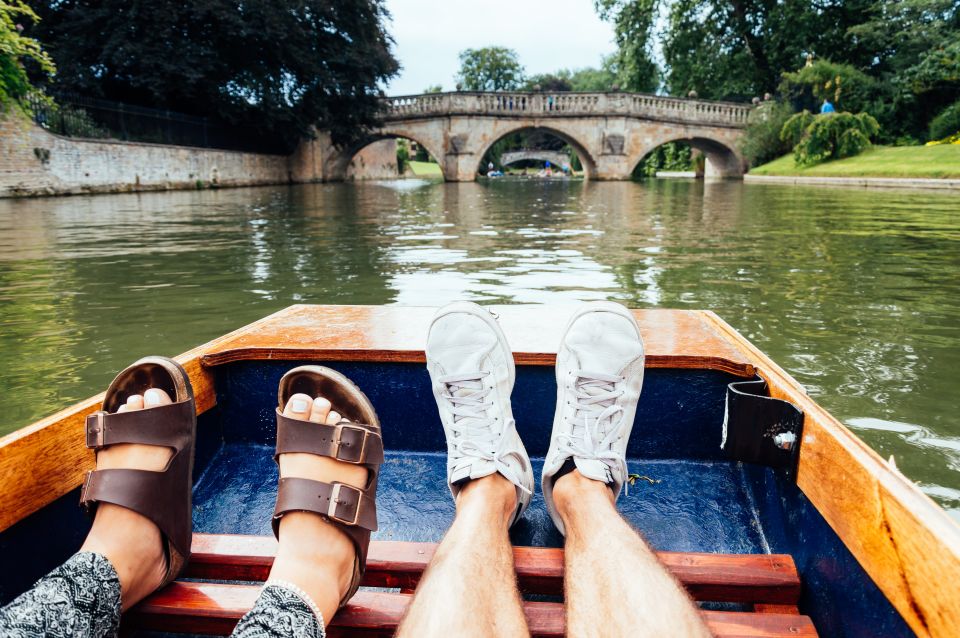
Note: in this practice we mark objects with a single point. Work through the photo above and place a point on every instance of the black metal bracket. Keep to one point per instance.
(760, 429)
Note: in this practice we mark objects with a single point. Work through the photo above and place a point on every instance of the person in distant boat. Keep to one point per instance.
(329, 452)
(615, 586)
(827, 107)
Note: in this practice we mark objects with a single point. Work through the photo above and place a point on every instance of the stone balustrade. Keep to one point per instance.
(568, 104)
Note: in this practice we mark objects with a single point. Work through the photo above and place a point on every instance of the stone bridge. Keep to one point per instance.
(556, 158)
(611, 132)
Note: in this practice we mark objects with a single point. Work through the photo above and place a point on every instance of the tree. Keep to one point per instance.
(552, 82)
(490, 69)
(592, 79)
(278, 67)
(15, 49)
(633, 22)
(433, 88)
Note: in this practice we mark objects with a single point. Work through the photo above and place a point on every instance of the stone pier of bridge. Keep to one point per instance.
(610, 132)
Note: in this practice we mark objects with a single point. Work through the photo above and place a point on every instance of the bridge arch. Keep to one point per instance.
(586, 158)
(340, 162)
(723, 158)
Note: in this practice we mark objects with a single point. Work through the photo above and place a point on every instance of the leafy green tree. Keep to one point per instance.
(633, 22)
(490, 69)
(761, 141)
(15, 48)
(278, 67)
(552, 82)
(818, 138)
(731, 50)
(434, 88)
(592, 79)
(946, 123)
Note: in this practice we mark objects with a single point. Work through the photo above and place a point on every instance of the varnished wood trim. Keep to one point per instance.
(906, 543)
(207, 608)
(45, 460)
(233, 355)
(740, 578)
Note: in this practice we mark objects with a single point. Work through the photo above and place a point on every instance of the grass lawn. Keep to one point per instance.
(425, 169)
(880, 161)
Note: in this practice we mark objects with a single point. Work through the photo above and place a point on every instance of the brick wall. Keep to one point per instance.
(375, 161)
(34, 162)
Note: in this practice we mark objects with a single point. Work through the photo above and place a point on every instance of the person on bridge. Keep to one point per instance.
(140, 493)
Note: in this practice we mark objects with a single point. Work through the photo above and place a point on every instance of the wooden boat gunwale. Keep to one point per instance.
(904, 541)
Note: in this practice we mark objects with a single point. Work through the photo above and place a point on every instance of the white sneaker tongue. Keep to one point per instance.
(478, 468)
(594, 469)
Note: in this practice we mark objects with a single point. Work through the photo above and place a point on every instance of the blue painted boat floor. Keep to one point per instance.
(694, 506)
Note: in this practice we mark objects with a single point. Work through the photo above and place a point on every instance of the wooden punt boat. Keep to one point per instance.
(822, 539)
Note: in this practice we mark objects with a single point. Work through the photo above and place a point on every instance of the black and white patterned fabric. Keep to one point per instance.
(80, 598)
(281, 611)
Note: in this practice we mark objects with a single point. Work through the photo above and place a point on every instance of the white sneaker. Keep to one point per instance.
(599, 375)
(472, 371)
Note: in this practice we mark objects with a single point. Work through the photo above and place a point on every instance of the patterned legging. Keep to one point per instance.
(81, 598)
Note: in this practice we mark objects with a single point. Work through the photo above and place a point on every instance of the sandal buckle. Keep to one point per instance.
(334, 508)
(95, 430)
(357, 437)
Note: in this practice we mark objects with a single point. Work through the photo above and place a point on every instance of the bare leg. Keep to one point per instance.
(470, 588)
(313, 554)
(615, 585)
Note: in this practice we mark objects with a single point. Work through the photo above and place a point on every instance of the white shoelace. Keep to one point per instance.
(474, 434)
(596, 418)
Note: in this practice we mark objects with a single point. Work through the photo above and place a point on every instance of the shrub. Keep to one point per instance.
(762, 141)
(845, 86)
(817, 138)
(947, 123)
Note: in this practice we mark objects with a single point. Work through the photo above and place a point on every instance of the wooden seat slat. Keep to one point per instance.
(214, 609)
(740, 578)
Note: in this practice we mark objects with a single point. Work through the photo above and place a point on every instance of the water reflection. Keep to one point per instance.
(854, 292)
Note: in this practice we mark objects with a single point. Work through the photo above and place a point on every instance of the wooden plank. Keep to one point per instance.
(766, 608)
(906, 543)
(43, 461)
(186, 607)
(673, 338)
(748, 578)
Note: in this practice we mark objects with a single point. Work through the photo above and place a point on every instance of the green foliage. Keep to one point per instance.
(938, 68)
(15, 48)
(845, 86)
(633, 22)
(276, 67)
(672, 156)
(762, 142)
(433, 88)
(551, 82)
(947, 123)
(592, 79)
(403, 155)
(490, 69)
(818, 138)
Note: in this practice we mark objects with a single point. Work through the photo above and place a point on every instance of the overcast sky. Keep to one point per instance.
(547, 36)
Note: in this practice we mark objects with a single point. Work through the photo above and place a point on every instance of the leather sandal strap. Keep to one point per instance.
(347, 442)
(156, 495)
(339, 502)
(167, 425)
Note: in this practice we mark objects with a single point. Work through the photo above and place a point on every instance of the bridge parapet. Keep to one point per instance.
(568, 104)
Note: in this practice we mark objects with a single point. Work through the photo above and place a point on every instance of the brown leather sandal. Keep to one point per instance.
(164, 497)
(356, 439)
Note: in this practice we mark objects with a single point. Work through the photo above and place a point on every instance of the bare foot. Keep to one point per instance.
(130, 541)
(314, 555)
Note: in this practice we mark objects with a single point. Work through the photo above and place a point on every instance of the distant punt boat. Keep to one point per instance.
(773, 515)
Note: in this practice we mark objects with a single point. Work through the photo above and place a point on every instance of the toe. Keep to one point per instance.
(333, 418)
(155, 397)
(135, 402)
(298, 407)
(321, 408)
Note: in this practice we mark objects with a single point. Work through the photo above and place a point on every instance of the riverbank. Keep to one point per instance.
(897, 162)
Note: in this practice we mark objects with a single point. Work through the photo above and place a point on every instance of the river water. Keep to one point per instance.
(854, 292)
